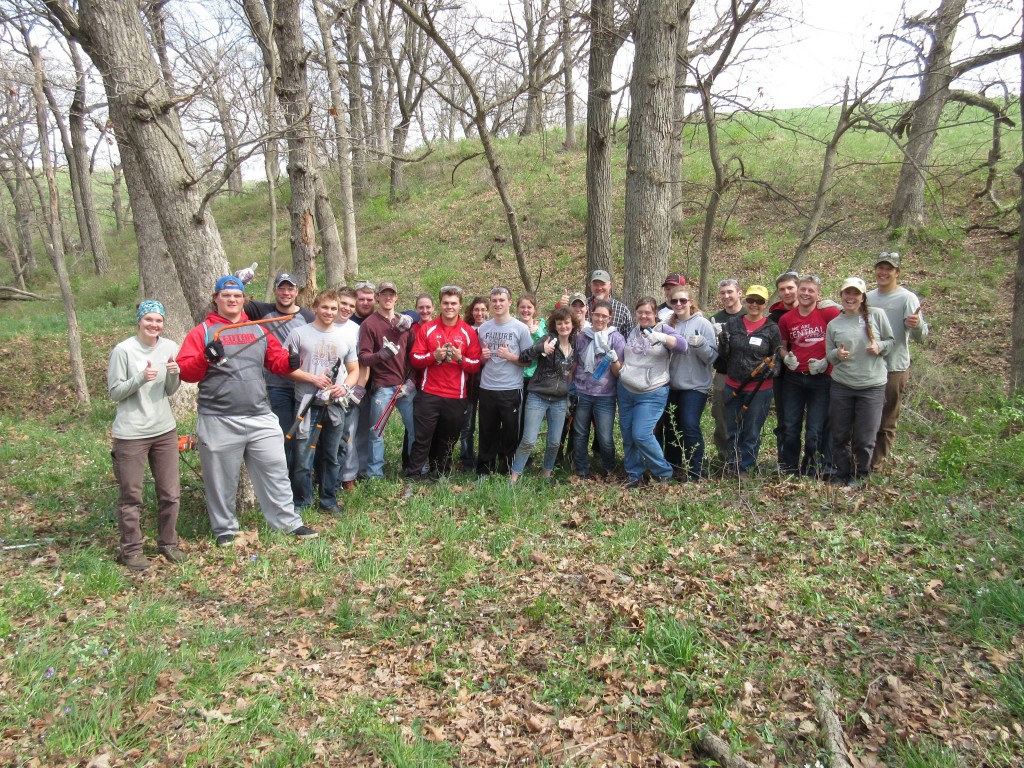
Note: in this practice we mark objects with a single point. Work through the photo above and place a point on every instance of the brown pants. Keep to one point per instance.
(894, 387)
(130, 457)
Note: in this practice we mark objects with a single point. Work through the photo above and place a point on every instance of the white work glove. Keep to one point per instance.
(247, 274)
(790, 360)
(408, 388)
(403, 323)
(718, 329)
(695, 341)
(657, 337)
(611, 356)
(815, 366)
(388, 350)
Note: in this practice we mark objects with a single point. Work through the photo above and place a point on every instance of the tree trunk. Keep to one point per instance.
(568, 84)
(908, 202)
(648, 230)
(73, 169)
(605, 41)
(115, 198)
(721, 183)
(537, 63)
(356, 105)
(8, 244)
(342, 150)
(231, 142)
(682, 62)
(1017, 323)
(79, 142)
(143, 115)
(327, 225)
(56, 249)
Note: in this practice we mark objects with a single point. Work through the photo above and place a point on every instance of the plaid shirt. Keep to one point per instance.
(621, 318)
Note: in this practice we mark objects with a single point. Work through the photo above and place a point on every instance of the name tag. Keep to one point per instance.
(756, 341)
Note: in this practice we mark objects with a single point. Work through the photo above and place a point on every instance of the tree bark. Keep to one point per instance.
(648, 230)
(356, 105)
(79, 143)
(56, 249)
(682, 62)
(115, 197)
(73, 168)
(143, 115)
(568, 81)
(1017, 323)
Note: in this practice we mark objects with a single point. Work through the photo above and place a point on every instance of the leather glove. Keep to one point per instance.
(790, 360)
(387, 351)
(214, 352)
(408, 388)
(294, 361)
(695, 341)
(247, 274)
(356, 394)
(815, 366)
(403, 323)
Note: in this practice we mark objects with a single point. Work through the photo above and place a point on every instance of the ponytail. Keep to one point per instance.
(867, 318)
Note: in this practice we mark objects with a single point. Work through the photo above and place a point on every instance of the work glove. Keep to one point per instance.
(815, 366)
(214, 352)
(247, 274)
(718, 328)
(656, 337)
(611, 356)
(356, 394)
(403, 323)
(695, 341)
(407, 389)
(387, 351)
(791, 362)
(294, 361)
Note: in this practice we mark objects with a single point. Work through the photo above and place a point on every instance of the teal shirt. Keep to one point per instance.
(529, 370)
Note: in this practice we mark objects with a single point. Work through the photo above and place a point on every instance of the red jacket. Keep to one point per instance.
(448, 379)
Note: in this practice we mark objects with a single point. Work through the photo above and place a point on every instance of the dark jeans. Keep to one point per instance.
(805, 410)
(329, 453)
(683, 440)
(439, 421)
(744, 426)
(467, 455)
(498, 419)
(855, 416)
(282, 403)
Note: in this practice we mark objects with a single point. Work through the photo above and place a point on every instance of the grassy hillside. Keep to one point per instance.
(457, 623)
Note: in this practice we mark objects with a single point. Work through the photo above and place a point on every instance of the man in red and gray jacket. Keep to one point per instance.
(447, 351)
(226, 355)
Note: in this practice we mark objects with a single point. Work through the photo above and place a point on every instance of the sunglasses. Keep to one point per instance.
(754, 300)
(678, 301)
(500, 289)
(786, 276)
(810, 279)
(448, 290)
(366, 285)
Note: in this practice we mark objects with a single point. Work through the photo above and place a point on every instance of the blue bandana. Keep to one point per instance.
(150, 305)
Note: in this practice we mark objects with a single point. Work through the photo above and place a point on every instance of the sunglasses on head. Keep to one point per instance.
(754, 300)
(451, 289)
(364, 285)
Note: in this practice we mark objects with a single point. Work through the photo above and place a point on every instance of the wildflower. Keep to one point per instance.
(50, 672)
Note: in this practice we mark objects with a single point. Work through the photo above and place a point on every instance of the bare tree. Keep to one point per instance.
(940, 71)
(1017, 323)
(353, 29)
(682, 62)
(648, 232)
(83, 176)
(565, 35)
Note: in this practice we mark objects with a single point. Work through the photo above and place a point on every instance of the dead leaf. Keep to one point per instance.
(215, 715)
(100, 761)
(434, 733)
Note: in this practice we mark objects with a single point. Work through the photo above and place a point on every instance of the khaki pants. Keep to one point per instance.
(130, 458)
(894, 388)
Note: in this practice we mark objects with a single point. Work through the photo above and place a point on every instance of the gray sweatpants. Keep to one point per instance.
(224, 442)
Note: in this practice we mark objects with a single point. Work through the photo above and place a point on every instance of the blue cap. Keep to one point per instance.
(229, 281)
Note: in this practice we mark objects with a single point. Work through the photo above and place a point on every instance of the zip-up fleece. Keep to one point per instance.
(448, 379)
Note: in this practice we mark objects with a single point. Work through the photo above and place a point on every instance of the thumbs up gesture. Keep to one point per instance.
(149, 372)
(913, 320)
(172, 367)
(843, 353)
(247, 274)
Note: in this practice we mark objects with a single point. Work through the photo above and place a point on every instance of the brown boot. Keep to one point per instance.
(173, 554)
(137, 562)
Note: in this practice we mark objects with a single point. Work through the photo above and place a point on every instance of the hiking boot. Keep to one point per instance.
(173, 554)
(137, 562)
(330, 509)
(304, 532)
(226, 540)
(637, 482)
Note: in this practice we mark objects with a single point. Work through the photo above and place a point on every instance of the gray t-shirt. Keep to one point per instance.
(898, 304)
(319, 349)
(497, 373)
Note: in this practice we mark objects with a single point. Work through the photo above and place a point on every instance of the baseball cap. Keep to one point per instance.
(674, 279)
(386, 285)
(284, 277)
(600, 276)
(889, 257)
(757, 290)
(574, 297)
(854, 282)
(228, 282)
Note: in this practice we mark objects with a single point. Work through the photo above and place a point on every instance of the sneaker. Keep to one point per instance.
(137, 562)
(304, 532)
(348, 485)
(173, 554)
(226, 540)
(663, 480)
(330, 509)
(637, 482)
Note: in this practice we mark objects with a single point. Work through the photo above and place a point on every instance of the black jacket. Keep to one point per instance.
(554, 371)
(743, 353)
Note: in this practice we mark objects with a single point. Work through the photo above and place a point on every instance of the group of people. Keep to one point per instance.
(303, 396)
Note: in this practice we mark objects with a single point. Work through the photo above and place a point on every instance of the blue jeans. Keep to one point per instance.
(638, 415)
(602, 410)
(537, 410)
(326, 452)
(805, 394)
(744, 427)
(282, 403)
(380, 399)
(686, 407)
